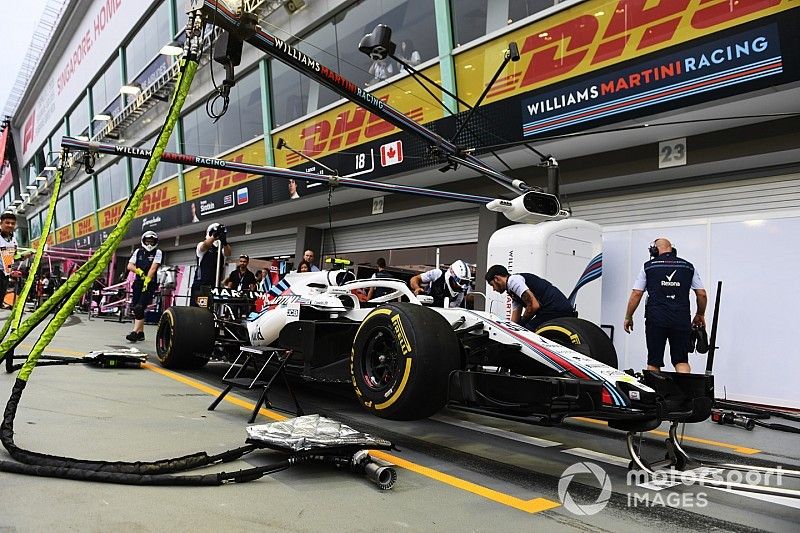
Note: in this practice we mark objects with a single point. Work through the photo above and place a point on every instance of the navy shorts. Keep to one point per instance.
(657, 337)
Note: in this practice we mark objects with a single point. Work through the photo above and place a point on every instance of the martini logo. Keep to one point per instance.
(391, 153)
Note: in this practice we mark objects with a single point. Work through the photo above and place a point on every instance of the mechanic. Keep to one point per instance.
(377, 292)
(667, 279)
(8, 249)
(241, 279)
(144, 263)
(534, 300)
(207, 252)
(453, 283)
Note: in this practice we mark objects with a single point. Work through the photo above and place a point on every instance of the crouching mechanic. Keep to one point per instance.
(209, 270)
(144, 263)
(453, 283)
(535, 300)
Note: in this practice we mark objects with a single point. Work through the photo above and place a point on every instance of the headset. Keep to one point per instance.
(654, 251)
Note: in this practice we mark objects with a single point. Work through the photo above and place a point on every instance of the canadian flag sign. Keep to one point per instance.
(391, 153)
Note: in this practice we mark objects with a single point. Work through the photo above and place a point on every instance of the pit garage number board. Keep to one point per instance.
(672, 153)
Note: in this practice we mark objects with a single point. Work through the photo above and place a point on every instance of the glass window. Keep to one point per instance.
(475, 18)
(106, 88)
(79, 117)
(152, 35)
(35, 224)
(241, 123)
(164, 170)
(83, 199)
(63, 211)
(112, 184)
(336, 45)
(55, 142)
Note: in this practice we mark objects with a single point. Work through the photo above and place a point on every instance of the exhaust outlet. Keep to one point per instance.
(383, 476)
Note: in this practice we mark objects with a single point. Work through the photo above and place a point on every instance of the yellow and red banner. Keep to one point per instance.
(85, 225)
(63, 234)
(109, 216)
(160, 197)
(349, 125)
(200, 182)
(595, 35)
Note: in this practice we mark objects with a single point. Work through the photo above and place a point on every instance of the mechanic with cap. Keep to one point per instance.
(241, 279)
(144, 263)
(453, 283)
(667, 279)
(534, 300)
(209, 262)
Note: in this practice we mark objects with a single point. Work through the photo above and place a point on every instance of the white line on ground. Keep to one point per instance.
(599, 456)
(527, 439)
(780, 500)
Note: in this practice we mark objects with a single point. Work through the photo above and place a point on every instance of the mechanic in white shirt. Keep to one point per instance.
(453, 283)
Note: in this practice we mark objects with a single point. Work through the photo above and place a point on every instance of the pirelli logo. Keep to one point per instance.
(400, 333)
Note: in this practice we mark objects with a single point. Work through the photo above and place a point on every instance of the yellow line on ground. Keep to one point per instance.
(529, 506)
(735, 447)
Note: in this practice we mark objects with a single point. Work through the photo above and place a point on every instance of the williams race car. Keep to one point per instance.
(405, 360)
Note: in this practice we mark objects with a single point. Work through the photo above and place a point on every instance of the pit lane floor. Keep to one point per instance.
(457, 471)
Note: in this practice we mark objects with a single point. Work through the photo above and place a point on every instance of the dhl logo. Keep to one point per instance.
(213, 180)
(598, 34)
(85, 226)
(110, 215)
(350, 125)
(159, 198)
(64, 234)
(349, 128)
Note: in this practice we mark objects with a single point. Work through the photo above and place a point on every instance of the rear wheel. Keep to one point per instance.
(185, 337)
(401, 361)
(582, 336)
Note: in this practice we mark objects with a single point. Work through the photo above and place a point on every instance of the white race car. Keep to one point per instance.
(406, 360)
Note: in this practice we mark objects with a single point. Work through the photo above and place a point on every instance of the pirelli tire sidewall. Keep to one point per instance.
(581, 335)
(426, 350)
(185, 337)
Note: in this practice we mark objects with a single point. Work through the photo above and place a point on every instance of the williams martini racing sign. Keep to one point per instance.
(721, 63)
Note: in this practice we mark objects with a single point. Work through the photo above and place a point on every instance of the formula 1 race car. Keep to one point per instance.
(407, 361)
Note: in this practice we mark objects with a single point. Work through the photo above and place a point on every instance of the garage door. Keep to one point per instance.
(453, 227)
(758, 195)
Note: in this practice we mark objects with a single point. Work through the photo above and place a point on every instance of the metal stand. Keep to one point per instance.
(257, 359)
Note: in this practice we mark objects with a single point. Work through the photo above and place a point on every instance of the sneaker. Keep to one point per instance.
(133, 336)
(140, 336)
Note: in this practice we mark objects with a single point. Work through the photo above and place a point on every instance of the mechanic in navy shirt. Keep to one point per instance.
(667, 279)
(144, 263)
(535, 300)
(207, 252)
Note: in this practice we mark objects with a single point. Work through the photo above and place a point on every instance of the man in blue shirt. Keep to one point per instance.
(667, 279)
(535, 300)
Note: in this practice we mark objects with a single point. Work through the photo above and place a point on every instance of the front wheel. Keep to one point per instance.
(401, 361)
(185, 337)
(582, 336)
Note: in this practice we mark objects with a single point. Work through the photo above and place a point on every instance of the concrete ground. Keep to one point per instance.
(456, 472)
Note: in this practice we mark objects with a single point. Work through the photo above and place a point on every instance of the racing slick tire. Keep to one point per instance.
(582, 336)
(185, 337)
(401, 360)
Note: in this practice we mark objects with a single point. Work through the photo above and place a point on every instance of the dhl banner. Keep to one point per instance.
(51, 239)
(63, 234)
(160, 197)
(201, 182)
(109, 216)
(348, 125)
(597, 34)
(85, 225)
(35, 243)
